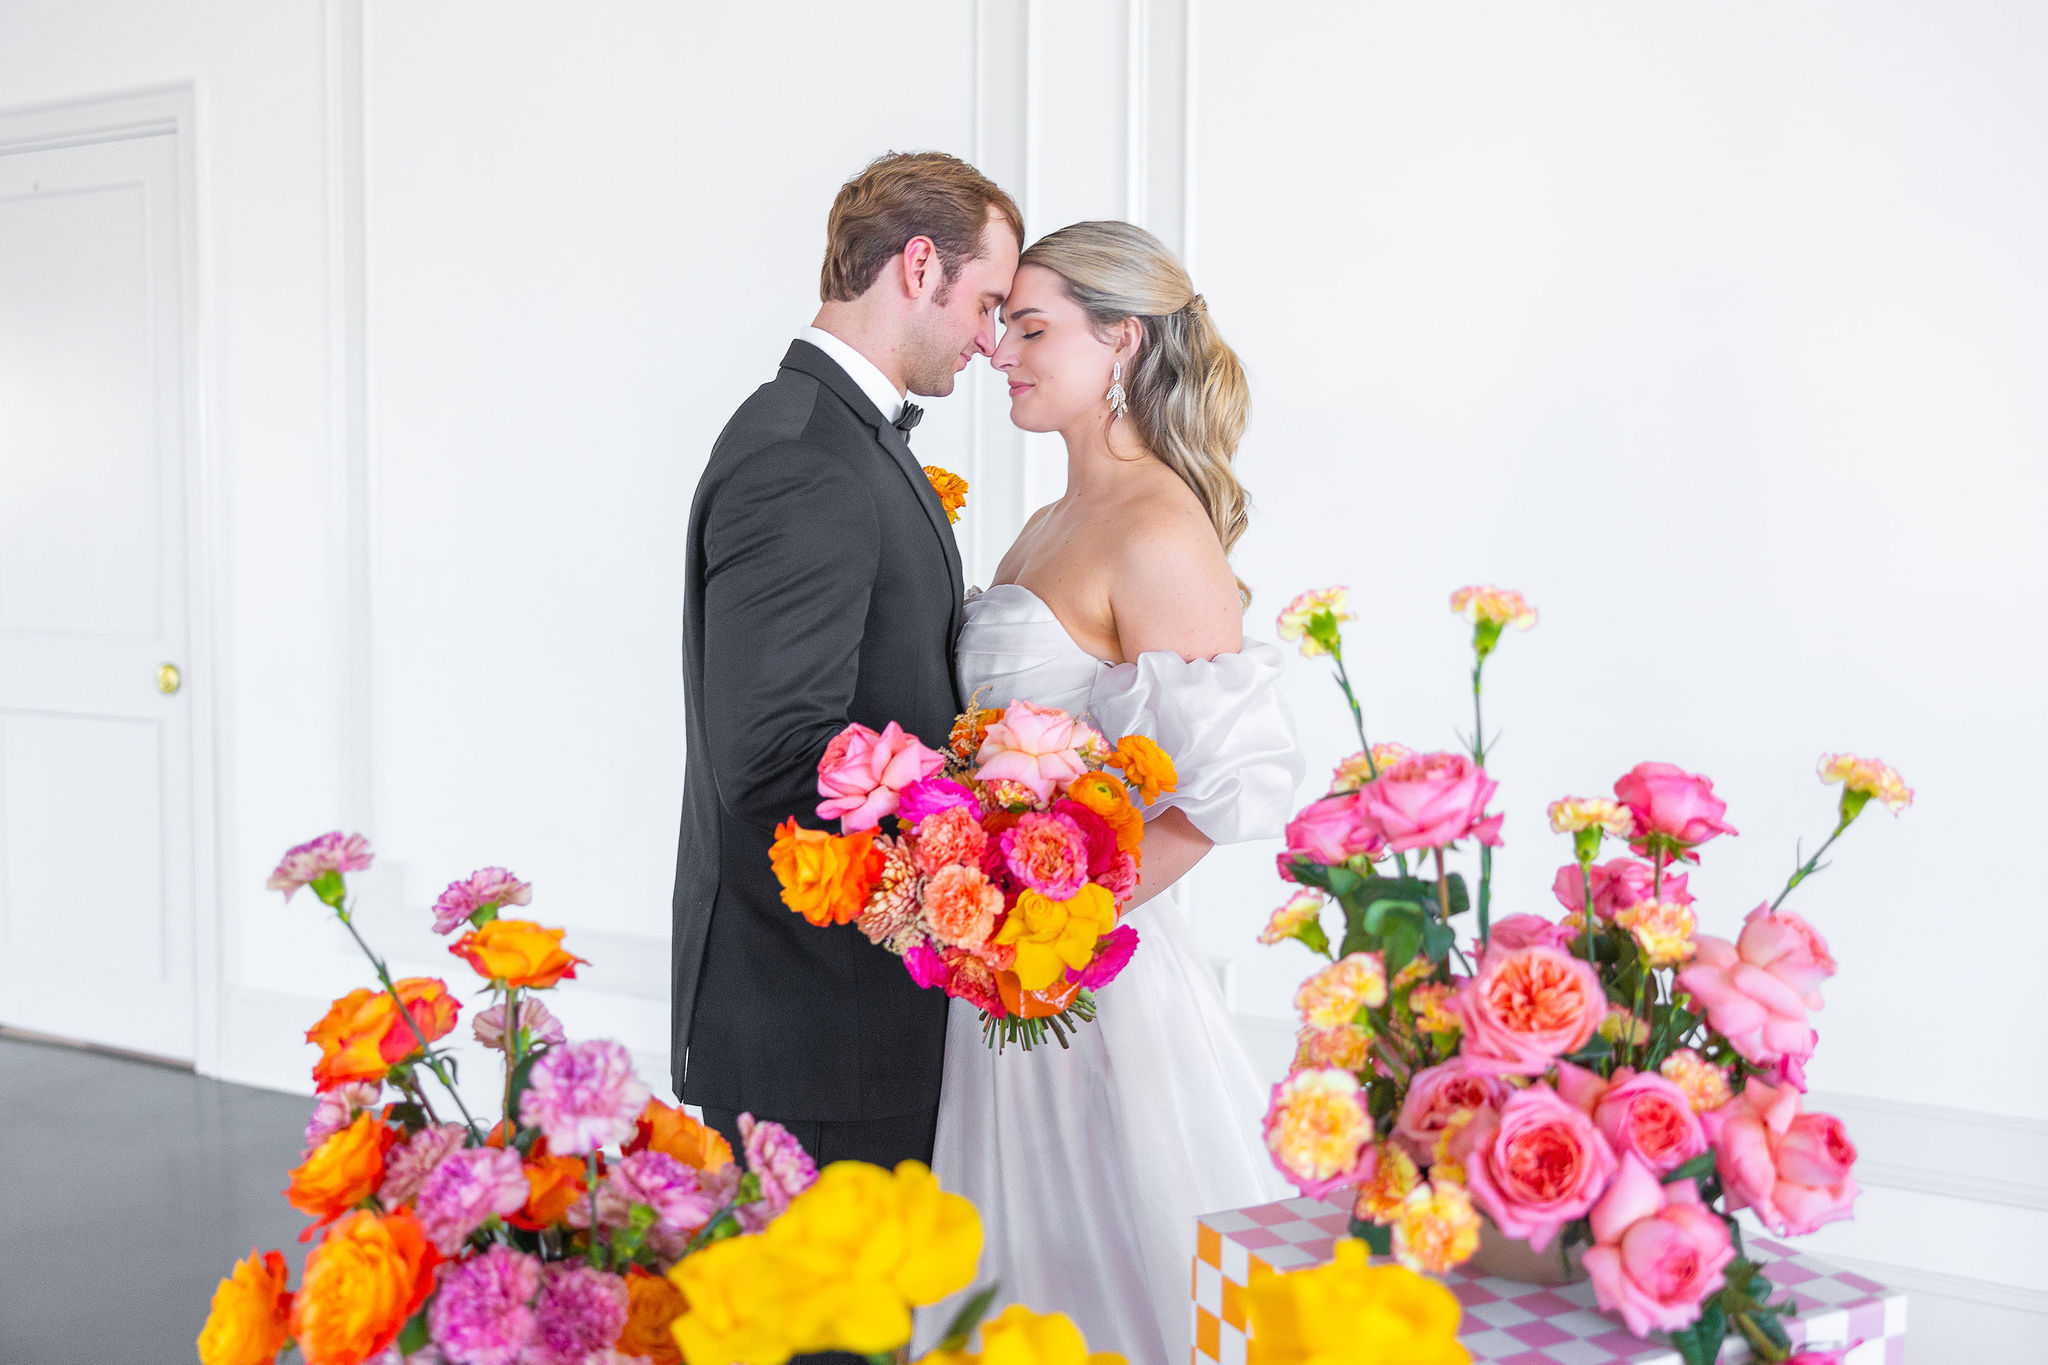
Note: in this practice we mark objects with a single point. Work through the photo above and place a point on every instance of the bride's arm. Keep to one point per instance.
(1172, 846)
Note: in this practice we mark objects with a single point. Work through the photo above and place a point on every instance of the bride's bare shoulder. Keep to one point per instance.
(1172, 586)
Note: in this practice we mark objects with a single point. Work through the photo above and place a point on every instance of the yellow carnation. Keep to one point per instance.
(1663, 930)
(1317, 1127)
(1574, 813)
(1350, 1312)
(1313, 617)
(1335, 994)
(1394, 1174)
(1436, 1229)
(1705, 1085)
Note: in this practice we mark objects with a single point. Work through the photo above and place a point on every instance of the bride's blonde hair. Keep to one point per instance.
(1186, 390)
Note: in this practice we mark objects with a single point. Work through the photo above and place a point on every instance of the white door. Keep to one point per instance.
(96, 798)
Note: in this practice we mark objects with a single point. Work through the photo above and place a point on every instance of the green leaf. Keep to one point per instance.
(521, 1078)
(1766, 1320)
(1700, 1344)
(1597, 1049)
(1460, 900)
(968, 1318)
(1700, 1165)
(1378, 1240)
(414, 1335)
(1438, 939)
(1401, 930)
(411, 1115)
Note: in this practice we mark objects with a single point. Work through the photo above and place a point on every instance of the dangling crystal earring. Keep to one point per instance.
(1117, 402)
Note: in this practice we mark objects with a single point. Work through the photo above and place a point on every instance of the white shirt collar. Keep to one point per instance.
(862, 371)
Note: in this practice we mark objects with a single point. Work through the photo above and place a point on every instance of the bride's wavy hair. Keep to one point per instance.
(1186, 390)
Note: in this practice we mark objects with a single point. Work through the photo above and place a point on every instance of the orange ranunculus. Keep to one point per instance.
(365, 1279)
(517, 952)
(341, 1173)
(825, 877)
(1106, 797)
(1146, 766)
(553, 1183)
(652, 1303)
(251, 1313)
(951, 488)
(362, 1035)
(971, 729)
(665, 1129)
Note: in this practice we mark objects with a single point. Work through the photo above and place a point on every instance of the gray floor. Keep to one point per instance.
(126, 1192)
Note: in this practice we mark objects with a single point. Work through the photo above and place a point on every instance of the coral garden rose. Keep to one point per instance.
(1318, 1131)
(1145, 766)
(362, 1035)
(1792, 1168)
(518, 953)
(1047, 852)
(863, 774)
(1430, 801)
(1528, 1007)
(1647, 1116)
(1617, 884)
(1437, 1095)
(1352, 1312)
(1332, 830)
(1671, 806)
(825, 878)
(1757, 990)
(251, 1313)
(1034, 746)
(1658, 1252)
(341, 1173)
(361, 1284)
(1536, 1165)
(1053, 935)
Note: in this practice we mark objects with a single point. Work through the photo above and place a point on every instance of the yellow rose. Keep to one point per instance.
(1051, 935)
(517, 952)
(1350, 1312)
(737, 1292)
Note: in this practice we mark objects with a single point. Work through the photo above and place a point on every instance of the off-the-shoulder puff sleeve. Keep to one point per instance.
(1225, 725)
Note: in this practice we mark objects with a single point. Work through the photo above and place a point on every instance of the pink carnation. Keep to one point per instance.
(489, 888)
(1792, 1168)
(408, 1165)
(1757, 990)
(337, 1109)
(464, 1190)
(862, 774)
(1617, 885)
(1658, 1253)
(1034, 746)
(543, 1029)
(331, 852)
(953, 835)
(1111, 957)
(1536, 1165)
(927, 796)
(784, 1167)
(481, 1313)
(1047, 853)
(1430, 801)
(582, 1096)
(581, 1312)
(1671, 805)
(680, 1201)
(970, 977)
(1436, 1096)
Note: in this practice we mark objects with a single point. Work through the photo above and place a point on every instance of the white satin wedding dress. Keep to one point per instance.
(1091, 1164)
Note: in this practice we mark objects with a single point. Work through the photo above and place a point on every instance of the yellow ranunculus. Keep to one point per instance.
(1021, 1337)
(1351, 1312)
(1051, 935)
(737, 1291)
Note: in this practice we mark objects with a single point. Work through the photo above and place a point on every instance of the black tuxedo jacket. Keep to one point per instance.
(823, 587)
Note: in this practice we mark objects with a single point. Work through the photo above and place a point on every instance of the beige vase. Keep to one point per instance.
(1511, 1258)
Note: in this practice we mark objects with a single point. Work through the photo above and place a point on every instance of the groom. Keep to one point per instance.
(823, 586)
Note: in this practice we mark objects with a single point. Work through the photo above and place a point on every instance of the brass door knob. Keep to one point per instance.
(168, 679)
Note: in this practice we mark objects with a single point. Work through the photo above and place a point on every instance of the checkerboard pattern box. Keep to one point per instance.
(1506, 1323)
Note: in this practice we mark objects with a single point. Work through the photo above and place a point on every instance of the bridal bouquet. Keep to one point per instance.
(1016, 849)
(1609, 1079)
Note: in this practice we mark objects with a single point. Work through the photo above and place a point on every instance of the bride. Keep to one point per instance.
(1091, 1164)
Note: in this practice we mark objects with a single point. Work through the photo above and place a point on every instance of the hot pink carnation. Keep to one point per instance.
(1758, 989)
(1647, 1116)
(542, 1028)
(482, 1310)
(331, 852)
(1034, 746)
(1617, 885)
(1048, 853)
(1528, 1007)
(927, 796)
(1430, 801)
(1536, 1165)
(1658, 1253)
(466, 1188)
(337, 1109)
(925, 966)
(488, 888)
(580, 1312)
(1436, 1096)
(1114, 953)
(583, 1095)
(1792, 1168)
(784, 1168)
(1331, 831)
(862, 774)
(1673, 804)
(407, 1166)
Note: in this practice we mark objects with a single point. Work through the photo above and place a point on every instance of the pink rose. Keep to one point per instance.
(1536, 1165)
(1646, 1116)
(1034, 746)
(1616, 886)
(1657, 1252)
(1331, 831)
(929, 795)
(862, 774)
(1530, 931)
(1528, 1007)
(1437, 1095)
(1673, 804)
(1792, 1168)
(1429, 801)
(1111, 956)
(1757, 990)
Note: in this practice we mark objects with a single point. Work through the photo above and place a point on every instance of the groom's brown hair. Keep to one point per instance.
(904, 195)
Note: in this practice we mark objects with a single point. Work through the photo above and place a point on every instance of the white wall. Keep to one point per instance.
(1717, 330)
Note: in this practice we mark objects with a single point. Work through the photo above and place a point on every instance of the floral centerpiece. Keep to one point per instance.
(1609, 1082)
(1015, 851)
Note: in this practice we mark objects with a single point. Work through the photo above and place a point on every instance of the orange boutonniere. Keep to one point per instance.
(951, 488)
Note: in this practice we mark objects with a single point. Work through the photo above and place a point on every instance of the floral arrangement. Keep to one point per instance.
(1611, 1079)
(1016, 849)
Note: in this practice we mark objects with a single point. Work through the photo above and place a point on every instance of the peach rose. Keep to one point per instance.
(1430, 801)
(1436, 1095)
(1658, 1253)
(1536, 1165)
(365, 1279)
(825, 878)
(1647, 1116)
(863, 774)
(1757, 990)
(1792, 1168)
(251, 1313)
(517, 952)
(1672, 807)
(1034, 746)
(341, 1173)
(1528, 1007)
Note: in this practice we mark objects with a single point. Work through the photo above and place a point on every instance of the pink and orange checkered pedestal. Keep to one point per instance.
(1519, 1324)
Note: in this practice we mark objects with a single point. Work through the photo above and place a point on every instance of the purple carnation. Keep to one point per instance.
(784, 1167)
(331, 852)
(337, 1109)
(581, 1310)
(928, 796)
(464, 1190)
(485, 889)
(584, 1095)
(541, 1026)
(1114, 952)
(481, 1313)
(408, 1166)
(679, 1199)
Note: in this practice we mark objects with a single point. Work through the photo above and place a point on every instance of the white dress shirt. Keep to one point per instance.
(887, 398)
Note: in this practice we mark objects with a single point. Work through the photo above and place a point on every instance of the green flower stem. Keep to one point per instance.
(1586, 911)
(1479, 761)
(417, 1093)
(1636, 1011)
(594, 1254)
(1811, 865)
(1372, 769)
(1765, 1348)
(1443, 890)
(512, 1032)
(433, 1062)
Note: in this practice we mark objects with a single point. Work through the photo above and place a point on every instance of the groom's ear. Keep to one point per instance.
(919, 269)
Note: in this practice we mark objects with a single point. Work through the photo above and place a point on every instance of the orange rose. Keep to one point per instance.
(1145, 766)
(825, 877)
(664, 1129)
(1106, 797)
(652, 1303)
(251, 1313)
(951, 488)
(362, 1282)
(362, 1036)
(553, 1183)
(517, 952)
(341, 1173)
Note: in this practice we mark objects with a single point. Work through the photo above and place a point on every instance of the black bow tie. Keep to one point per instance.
(911, 416)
